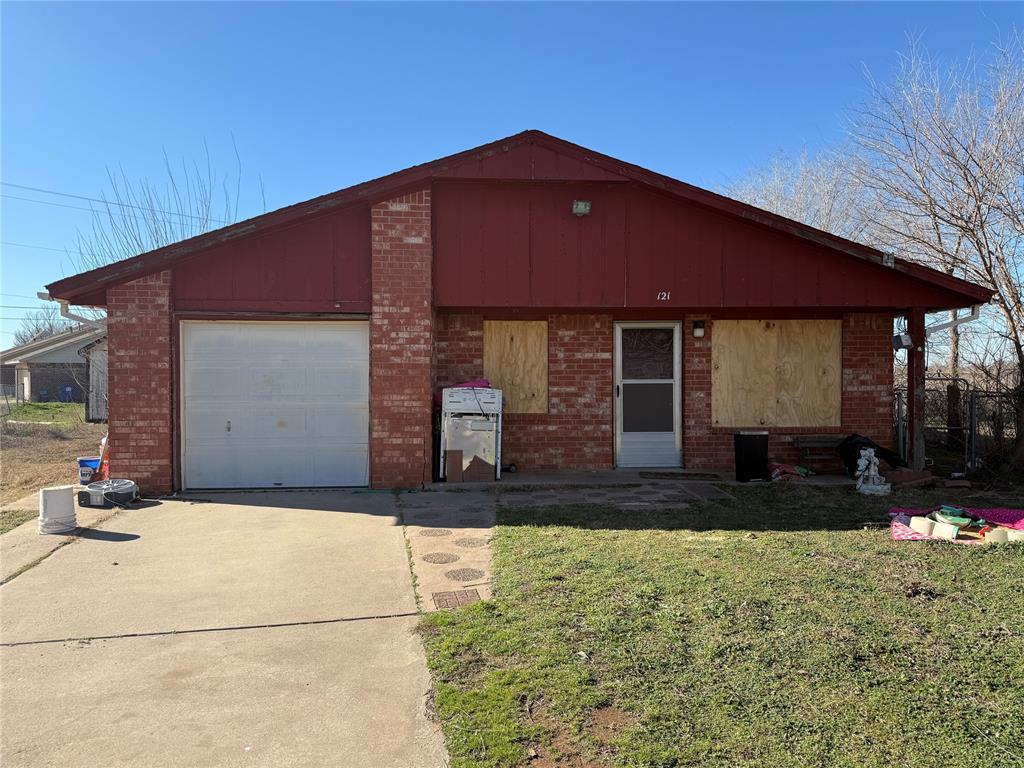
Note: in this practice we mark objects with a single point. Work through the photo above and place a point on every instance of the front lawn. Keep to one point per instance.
(47, 413)
(771, 631)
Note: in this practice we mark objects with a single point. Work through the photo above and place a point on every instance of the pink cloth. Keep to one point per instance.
(1010, 518)
(901, 532)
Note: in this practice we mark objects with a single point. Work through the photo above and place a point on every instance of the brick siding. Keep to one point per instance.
(401, 342)
(576, 432)
(139, 382)
(866, 396)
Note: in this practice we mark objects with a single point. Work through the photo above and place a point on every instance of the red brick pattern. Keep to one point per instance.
(866, 395)
(139, 382)
(401, 342)
(576, 432)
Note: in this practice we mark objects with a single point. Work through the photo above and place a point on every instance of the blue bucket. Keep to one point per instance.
(87, 465)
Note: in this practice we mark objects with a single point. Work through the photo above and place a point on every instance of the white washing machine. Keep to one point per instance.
(471, 423)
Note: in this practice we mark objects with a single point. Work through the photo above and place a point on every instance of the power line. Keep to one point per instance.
(88, 210)
(18, 296)
(46, 248)
(106, 202)
(22, 306)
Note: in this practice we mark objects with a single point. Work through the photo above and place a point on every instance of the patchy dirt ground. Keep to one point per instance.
(33, 456)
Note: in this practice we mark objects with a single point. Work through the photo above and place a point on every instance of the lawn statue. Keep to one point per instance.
(868, 479)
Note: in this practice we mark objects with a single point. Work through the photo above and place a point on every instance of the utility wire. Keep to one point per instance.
(137, 216)
(105, 202)
(45, 248)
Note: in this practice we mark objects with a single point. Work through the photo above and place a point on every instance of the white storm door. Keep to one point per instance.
(274, 404)
(647, 395)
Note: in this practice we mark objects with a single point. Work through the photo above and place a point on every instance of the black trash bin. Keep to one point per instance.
(751, 456)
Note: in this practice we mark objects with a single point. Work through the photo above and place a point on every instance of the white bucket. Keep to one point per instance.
(57, 509)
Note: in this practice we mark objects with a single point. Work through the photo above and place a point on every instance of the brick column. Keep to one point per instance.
(139, 382)
(700, 451)
(868, 376)
(401, 343)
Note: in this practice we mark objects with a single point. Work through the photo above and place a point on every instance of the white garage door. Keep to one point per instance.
(275, 404)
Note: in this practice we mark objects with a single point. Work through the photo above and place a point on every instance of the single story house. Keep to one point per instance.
(49, 369)
(630, 319)
(95, 354)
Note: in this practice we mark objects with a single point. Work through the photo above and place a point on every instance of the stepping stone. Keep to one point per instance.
(465, 574)
(440, 558)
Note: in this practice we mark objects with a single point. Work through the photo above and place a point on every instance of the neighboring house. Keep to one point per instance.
(629, 318)
(95, 354)
(49, 369)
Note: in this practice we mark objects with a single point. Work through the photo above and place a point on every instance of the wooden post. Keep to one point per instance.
(915, 389)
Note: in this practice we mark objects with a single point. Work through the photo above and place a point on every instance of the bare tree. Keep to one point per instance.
(939, 153)
(819, 191)
(140, 216)
(40, 324)
(933, 171)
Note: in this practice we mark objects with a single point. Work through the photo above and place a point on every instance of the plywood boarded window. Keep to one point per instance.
(516, 362)
(780, 373)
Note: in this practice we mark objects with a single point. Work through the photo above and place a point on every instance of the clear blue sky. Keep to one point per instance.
(321, 96)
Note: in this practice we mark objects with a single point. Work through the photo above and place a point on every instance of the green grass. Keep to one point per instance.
(9, 520)
(48, 413)
(771, 631)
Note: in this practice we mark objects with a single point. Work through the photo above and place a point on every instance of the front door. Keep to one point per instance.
(647, 401)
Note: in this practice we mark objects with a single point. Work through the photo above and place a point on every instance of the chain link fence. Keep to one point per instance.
(965, 429)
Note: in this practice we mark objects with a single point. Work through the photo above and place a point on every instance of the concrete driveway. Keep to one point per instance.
(265, 629)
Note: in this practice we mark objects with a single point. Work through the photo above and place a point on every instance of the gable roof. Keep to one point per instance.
(77, 337)
(486, 162)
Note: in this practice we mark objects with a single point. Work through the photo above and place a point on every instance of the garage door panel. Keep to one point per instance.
(214, 381)
(279, 421)
(217, 342)
(297, 397)
(346, 344)
(353, 460)
(277, 380)
(208, 423)
(210, 466)
(349, 384)
(331, 421)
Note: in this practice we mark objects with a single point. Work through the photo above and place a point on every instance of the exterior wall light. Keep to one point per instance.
(580, 207)
(698, 329)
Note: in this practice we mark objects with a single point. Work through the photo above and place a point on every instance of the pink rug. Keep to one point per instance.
(1011, 518)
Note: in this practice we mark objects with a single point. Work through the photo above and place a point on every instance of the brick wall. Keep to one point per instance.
(866, 396)
(576, 432)
(401, 342)
(139, 382)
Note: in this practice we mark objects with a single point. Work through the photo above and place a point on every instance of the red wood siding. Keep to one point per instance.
(320, 265)
(518, 245)
(528, 162)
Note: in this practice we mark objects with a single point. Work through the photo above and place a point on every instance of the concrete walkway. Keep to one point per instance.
(260, 629)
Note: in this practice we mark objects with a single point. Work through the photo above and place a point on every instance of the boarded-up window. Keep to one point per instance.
(781, 373)
(516, 362)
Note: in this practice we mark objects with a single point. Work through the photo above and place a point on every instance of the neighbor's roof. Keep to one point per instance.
(77, 337)
(89, 287)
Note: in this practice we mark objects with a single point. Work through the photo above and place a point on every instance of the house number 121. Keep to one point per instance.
(664, 295)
